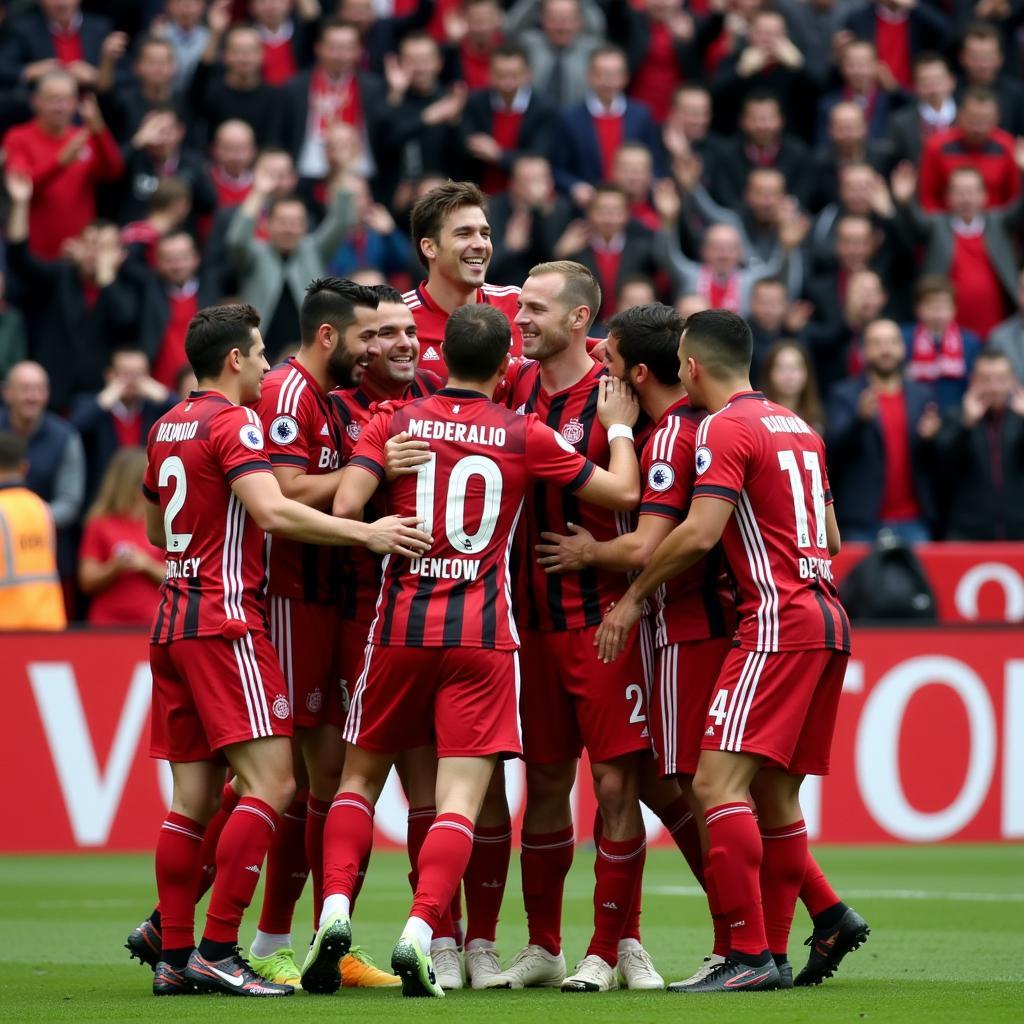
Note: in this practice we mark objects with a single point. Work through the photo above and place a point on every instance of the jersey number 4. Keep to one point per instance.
(789, 465)
(455, 501)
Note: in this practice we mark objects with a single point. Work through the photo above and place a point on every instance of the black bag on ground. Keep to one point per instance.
(890, 584)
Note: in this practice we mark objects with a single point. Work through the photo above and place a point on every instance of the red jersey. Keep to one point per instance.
(767, 462)
(697, 604)
(302, 432)
(215, 567)
(572, 600)
(431, 318)
(469, 497)
(360, 567)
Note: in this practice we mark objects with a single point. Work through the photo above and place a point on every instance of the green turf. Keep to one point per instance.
(946, 945)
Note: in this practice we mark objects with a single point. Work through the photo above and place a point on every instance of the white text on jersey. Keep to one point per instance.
(445, 568)
(467, 433)
(177, 431)
(785, 424)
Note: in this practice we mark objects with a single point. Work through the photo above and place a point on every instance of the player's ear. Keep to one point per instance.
(428, 248)
(325, 335)
(639, 374)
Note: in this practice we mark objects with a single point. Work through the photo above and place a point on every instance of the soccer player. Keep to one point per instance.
(442, 657)
(762, 490)
(453, 241)
(338, 327)
(218, 691)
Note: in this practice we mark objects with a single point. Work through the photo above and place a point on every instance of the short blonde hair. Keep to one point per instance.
(580, 287)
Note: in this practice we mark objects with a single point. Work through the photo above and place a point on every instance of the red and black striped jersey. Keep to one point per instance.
(300, 432)
(699, 603)
(770, 465)
(215, 575)
(361, 569)
(469, 497)
(431, 319)
(572, 600)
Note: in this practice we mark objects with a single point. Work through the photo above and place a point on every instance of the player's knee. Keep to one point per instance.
(615, 791)
(547, 783)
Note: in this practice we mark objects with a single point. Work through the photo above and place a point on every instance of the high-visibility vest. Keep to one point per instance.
(30, 591)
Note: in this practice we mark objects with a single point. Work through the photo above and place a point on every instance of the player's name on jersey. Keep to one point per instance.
(445, 568)
(816, 567)
(183, 431)
(466, 433)
(785, 425)
(181, 569)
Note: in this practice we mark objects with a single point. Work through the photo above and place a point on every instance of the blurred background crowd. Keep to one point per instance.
(844, 173)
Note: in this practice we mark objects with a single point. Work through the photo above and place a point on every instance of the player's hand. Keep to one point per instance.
(403, 455)
(565, 554)
(398, 535)
(615, 628)
(616, 403)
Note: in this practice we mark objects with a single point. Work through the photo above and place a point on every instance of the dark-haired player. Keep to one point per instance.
(762, 490)
(452, 237)
(441, 662)
(218, 691)
(338, 330)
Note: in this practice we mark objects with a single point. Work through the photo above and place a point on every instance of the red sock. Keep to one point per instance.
(718, 921)
(316, 818)
(348, 839)
(545, 860)
(619, 865)
(815, 893)
(178, 866)
(735, 858)
(240, 853)
(208, 854)
(485, 879)
(419, 822)
(441, 864)
(360, 878)
(681, 825)
(631, 929)
(782, 873)
(287, 870)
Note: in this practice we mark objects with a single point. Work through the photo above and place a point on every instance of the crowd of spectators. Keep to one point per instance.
(844, 173)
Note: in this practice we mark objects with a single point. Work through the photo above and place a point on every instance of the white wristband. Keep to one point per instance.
(619, 430)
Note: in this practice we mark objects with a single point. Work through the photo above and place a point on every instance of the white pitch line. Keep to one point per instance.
(875, 894)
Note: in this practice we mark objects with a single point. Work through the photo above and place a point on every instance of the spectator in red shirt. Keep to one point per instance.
(118, 567)
(981, 58)
(478, 33)
(232, 156)
(286, 38)
(975, 141)
(633, 172)
(64, 161)
(167, 209)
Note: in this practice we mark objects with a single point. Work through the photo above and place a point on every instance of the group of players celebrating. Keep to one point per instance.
(627, 554)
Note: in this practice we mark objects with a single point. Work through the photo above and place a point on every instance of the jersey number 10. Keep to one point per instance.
(455, 501)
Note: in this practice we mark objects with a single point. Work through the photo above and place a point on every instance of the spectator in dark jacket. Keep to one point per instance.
(878, 431)
(862, 85)
(932, 108)
(981, 59)
(151, 86)
(980, 452)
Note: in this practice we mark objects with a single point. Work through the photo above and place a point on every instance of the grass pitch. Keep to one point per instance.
(946, 944)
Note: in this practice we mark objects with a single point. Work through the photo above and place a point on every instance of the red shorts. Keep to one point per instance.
(209, 693)
(571, 700)
(461, 699)
(307, 639)
(354, 636)
(687, 674)
(781, 706)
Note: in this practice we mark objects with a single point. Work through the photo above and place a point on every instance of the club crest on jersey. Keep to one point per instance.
(314, 701)
(251, 436)
(354, 430)
(284, 430)
(702, 460)
(430, 355)
(573, 431)
(281, 708)
(661, 476)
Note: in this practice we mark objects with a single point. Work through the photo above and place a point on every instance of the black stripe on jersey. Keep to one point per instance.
(668, 511)
(573, 514)
(417, 623)
(158, 624)
(531, 400)
(195, 595)
(488, 618)
(710, 490)
(173, 620)
(554, 580)
(389, 607)
(150, 496)
(374, 467)
(709, 592)
(581, 477)
(340, 409)
(343, 572)
(309, 555)
(844, 621)
(826, 614)
(453, 614)
(256, 466)
(289, 460)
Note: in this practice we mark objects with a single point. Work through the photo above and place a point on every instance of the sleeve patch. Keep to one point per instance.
(661, 476)
(252, 437)
(284, 430)
(702, 460)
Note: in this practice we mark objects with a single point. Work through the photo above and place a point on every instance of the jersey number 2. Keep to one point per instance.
(174, 469)
(455, 501)
(789, 465)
